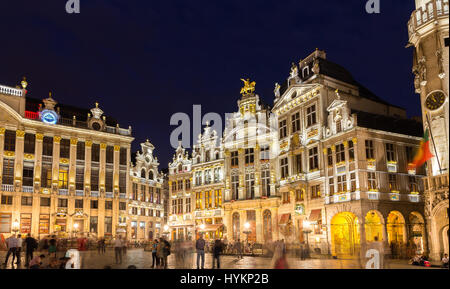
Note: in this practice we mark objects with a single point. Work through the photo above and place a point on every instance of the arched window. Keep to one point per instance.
(150, 175)
(236, 226)
(305, 72)
(267, 223)
(143, 173)
(180, 168)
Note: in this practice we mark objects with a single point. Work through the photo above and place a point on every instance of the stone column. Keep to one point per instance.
(87, 182)
(72, 176)
(37, 181)
(101, 199)
(116, 201)
(242, 191)
(2, 145)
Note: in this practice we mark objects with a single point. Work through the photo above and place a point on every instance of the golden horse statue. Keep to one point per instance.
(249, 87)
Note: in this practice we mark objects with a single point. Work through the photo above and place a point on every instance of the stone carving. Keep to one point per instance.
(294, 70)
(422, 70)
(277, 90)
(440, 63)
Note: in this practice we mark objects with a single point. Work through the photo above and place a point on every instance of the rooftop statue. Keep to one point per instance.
(249, 87)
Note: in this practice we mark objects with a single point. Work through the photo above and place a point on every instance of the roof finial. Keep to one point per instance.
(24, 82)
(337, 94)
(96, 104)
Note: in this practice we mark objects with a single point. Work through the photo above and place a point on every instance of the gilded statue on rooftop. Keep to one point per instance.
(249, 87)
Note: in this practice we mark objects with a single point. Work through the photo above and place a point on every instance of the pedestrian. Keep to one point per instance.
(155, 260)
(281, 263)
(31, 245)
(52, 246)
(200, 247)
(160, 252)
(118, 247)
(445, 261)
(166, 252)
(36, 263)
(238, 247)
(11, 243)
(101, 244)
(19, 249)
(217, 251)
(124, 246)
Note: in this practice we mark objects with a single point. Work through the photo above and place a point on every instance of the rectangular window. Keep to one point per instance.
(174, 207)
(134, 192)
(122, 206)
(174, 186)
(331, 185)
(7, 200)
(47, 146)
(284, 167)
(109, 154)
(295, 122)
(25, 223)
(5, 223)
(180, 206)
(216, 175)
(108, 205)
(44, 224)
(108, 225)
(198, 201)
(8, 172)
(234, 187)
(45, 202)
(390, 152)
(123, 156)
(79, 179)
(62, 203)
(10, 141)
(94, 204)
(330, 157)
(299, 196)
(313, 159)
(371, 181)
(370, 152)
(315, 192)
(46, 176)
(27, 201)
(180, 185)
(123, 182)
(351, 151)
(250, 185)
(249, 156)
(265, 182)
(234, 159)
(298, 164)
(342, 184)
(218, 198)
(311, 115)
(109, 181)
(409, 154)
(93, 224)
(27, 176)
(353, 182)
(95, 152)
(188, 205)
(29, 143)
(208, 177)
(64, 149)
(80, 151)
(188, 184)
(79, 204)
(94, 179)
(63, 178)
(208, 200)
(283, 129)
(198, 178)
(142, 211)
(393, 182)
(265, 152)
(413, 188)
(340, 153)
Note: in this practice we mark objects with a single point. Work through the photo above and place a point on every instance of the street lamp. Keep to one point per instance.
(15, 226)
(247, 230)
(307, 230)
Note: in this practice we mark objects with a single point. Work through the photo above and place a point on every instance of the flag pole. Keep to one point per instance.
(434, 145)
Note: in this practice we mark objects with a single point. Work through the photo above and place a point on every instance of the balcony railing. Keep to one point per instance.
(122, 195)
(27, 189)
(430, 12)
(7, 188)
(94, 194)
(10, 91)
(109, 195)
(63, 192)
(79, 193)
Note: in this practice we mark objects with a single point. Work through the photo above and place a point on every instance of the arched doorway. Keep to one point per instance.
(416, 242)
(395, 228)
(236, 226)
(345, 235)
(373, 227)
(267, 225)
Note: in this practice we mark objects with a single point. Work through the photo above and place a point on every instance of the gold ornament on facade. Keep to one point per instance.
(9, 154)
(355, 140)
(63, 161)
(88, 143)
(117, 148)
(39, 136)
(57, 139)
(2, 130)
(103, 146)
(249, 87)
(333, 149)
(345, 144)
(73, 141)
(28, 156)
(20, 133)
(325, 151)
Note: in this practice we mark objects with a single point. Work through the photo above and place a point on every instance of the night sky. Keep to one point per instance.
(146, 60)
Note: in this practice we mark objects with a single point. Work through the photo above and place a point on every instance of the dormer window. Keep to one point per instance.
(151, 175)
(143, 173)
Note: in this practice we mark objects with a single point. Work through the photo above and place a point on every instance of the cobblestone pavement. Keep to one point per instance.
(143, 260)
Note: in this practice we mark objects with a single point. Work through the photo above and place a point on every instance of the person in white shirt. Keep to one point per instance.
(12, 243)
(445, 261)
(118, 247)
(19, 248)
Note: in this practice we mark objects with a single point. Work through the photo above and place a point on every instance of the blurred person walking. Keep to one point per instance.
(217, 251)
(155, 260)
(31, 245)
(200, 247)
(11, 243)
(19, 249)
(118, 246)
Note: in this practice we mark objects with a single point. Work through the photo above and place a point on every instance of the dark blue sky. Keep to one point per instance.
(145, 60)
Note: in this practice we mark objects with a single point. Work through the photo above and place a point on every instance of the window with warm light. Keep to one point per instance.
(63, 179)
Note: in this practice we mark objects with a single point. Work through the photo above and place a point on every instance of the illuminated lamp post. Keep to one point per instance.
(15, 226)
(307, 230)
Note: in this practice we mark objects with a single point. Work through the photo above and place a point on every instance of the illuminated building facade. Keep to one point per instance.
(208, 184)
(181, 199)
(329, 187)
(146, 201)
(63, 170)
(428, 31)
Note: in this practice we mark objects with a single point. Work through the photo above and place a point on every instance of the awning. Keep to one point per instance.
(284, 220)
(315, 216)
(210, 228)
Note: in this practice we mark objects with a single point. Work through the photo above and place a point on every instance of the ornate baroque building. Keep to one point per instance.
(146, 201)
(428, 31)
(63, 170)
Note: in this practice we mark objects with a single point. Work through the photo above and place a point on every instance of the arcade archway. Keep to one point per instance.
(345, 235)
(374, 227)
(416, 242)
(395, 228)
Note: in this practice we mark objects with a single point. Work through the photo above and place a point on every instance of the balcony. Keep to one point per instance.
(7, 188)
(63, 192)
(122, 195)
(414, 198)
(79, 193)
(10, 91)
(109, 195)
(374, 196)
(27, 189)
(94, 194)
(431, 12)
(341, 198)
